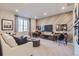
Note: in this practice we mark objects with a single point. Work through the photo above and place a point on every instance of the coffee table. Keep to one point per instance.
(36, 42)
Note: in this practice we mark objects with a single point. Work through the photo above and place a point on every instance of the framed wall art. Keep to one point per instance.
(6, 24)
(61, 27)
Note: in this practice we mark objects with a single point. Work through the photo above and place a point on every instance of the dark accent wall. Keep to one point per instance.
(0, 49)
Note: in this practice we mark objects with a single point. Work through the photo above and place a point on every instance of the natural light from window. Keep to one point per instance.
(22, 24)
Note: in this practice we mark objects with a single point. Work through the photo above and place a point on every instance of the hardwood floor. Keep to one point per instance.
(51, 48)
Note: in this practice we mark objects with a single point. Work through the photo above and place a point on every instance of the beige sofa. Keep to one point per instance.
(19, 50)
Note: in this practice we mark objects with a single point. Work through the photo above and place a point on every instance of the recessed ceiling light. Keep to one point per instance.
(45, 13)
(35, 17)
(16, 10)
(63, 7)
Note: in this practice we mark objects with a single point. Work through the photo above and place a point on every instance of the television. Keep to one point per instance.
(48, 28)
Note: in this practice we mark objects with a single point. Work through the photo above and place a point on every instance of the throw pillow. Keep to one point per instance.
(20, 40)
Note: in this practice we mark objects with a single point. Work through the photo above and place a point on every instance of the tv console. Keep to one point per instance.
(48, 37)
(45, 36)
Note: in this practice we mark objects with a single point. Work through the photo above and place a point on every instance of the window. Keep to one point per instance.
(21, 24)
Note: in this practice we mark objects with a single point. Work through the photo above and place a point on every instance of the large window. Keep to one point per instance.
(21, 24)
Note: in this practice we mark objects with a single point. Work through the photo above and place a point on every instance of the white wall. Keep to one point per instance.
(9, 16)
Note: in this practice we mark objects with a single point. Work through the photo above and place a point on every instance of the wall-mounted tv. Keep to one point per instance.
(48, 28)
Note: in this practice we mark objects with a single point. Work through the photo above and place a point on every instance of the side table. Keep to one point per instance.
(36, 43)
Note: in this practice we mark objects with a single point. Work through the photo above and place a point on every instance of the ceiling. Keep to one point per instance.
(36, 10)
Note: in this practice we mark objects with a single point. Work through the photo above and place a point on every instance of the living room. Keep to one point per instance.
(41, 24)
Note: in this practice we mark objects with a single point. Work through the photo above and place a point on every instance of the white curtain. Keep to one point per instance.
(22, 24)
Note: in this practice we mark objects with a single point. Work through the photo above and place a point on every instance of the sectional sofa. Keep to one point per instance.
(18, 50)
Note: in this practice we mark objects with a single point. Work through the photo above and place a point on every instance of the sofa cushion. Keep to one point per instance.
(9, 40)
(20, 40)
